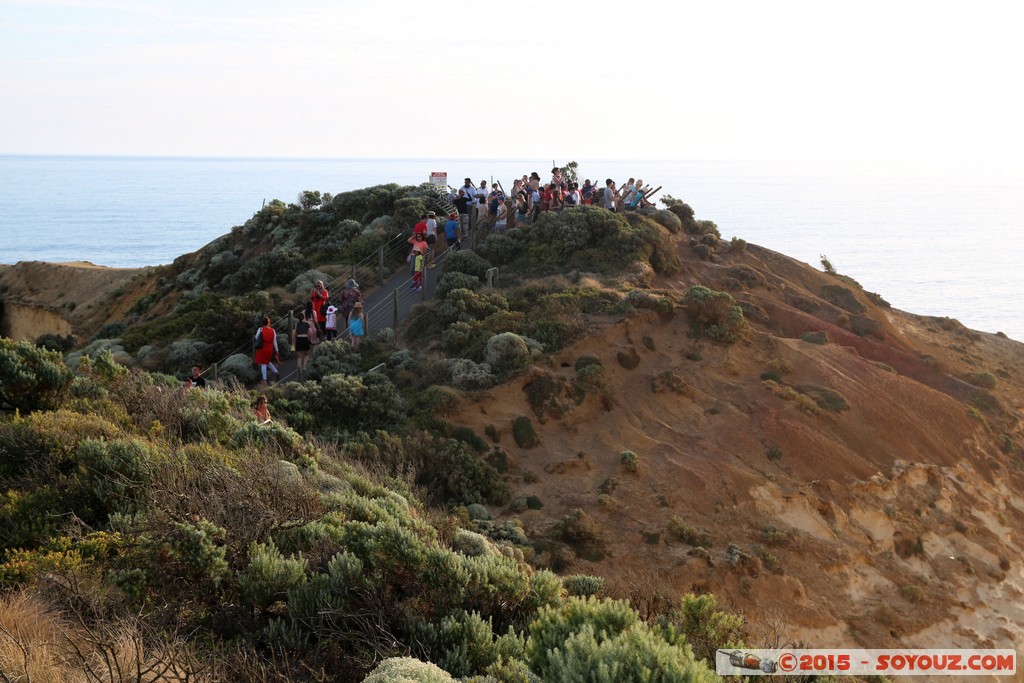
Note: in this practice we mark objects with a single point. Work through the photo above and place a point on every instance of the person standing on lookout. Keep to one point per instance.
(608, 201)
(462, 205)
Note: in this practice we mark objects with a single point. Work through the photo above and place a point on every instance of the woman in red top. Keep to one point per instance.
(267, 352)
(320, 296)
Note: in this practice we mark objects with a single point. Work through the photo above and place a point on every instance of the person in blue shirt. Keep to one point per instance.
(451, 232)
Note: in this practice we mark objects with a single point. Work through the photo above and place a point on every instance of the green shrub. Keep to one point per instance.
(703, 251)
(688, 534)
(523, 432)
(455, 280)
(606, 640)
(31, 378)
(508, 353)
(705, 627)
(465, 644)
(578, 528)
(270, 575)
(819, 337)
(716, 313)
(456, 476)
(628, 359)
(334, 357)
(583, 585)
(629, 461)
(828, 399)
(985, 380)
(468, 262)
(407, 670)
(465, 374)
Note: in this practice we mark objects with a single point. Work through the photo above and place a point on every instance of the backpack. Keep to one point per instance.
(570, 199)
(257, 342)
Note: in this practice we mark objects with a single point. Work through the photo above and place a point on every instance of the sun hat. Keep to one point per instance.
(453, 215)
(332, 309)
(351, 284)
(358, 304)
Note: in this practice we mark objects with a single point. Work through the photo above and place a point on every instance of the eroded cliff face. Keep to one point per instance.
(65, 298)
(861, 492)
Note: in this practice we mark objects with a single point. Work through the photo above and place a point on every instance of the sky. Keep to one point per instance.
(727, 80)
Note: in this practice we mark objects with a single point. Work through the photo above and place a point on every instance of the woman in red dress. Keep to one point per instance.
(267, 351)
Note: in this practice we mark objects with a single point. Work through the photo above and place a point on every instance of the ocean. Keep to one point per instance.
(933, 240)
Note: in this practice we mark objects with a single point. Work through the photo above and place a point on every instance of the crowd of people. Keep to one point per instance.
(529, 198)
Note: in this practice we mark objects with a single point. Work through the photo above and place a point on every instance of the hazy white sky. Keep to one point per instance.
(452, 78)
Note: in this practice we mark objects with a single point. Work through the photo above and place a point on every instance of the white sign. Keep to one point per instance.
(439, 178)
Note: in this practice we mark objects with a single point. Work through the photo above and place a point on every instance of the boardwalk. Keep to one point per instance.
(384, 306)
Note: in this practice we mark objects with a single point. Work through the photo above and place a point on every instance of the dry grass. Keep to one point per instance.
(39, 644)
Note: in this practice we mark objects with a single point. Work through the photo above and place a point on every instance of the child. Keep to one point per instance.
(356, 326)
(332, 323)
(417, 268)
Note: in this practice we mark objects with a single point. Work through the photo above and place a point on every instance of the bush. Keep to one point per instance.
(468, 262)
(716, 313)
(456, 280)
(819, 337)
(31, 378)
(688, 534)
(583, 585)
(270, 575)
(607, 640)
(985, 380)
(407, 670)
(240, 367)
(523, 432)
(465, 644)
(334, 357)
(304, 283)
(508, 353)
(629, 461)
(468, 375)
(705, 627)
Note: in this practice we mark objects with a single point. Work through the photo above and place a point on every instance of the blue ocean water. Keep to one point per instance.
(932, 240)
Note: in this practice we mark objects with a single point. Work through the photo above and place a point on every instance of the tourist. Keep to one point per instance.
(332, 323)
(495, 198)
(535, 204)
(320, 298)
(431, 238)
(451, 232)
(481, 202)
(197, 377)
(356, 326)
(462, 204)
(608, 201)
(350, 296)
(501, 217)
(266, 351)
(261, 410)
(573, 197)
(417, 266)
(301, 343)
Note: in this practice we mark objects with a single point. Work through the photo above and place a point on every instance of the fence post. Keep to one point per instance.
(394, 309)
(215, 372)
(380, 256)
(291, 326)
(353, 271)
(423, 289)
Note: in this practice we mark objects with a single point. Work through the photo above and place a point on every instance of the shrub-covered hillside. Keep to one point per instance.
(152, 528)
(164, 531)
